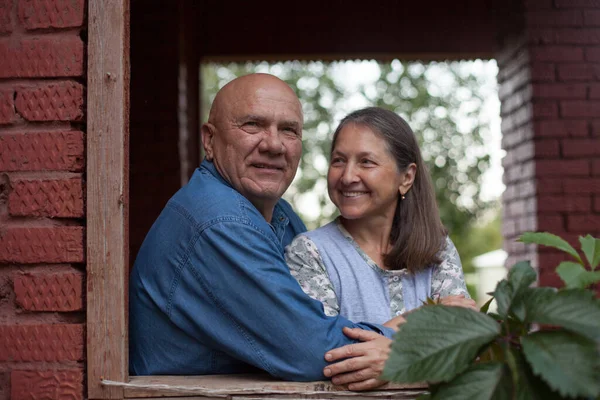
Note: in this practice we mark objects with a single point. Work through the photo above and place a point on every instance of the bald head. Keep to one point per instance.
(254, 137)
(248, 87)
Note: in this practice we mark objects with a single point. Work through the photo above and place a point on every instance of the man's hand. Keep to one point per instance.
(362, 363)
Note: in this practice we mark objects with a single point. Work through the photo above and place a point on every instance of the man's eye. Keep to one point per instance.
(290, 129)
(251, 126)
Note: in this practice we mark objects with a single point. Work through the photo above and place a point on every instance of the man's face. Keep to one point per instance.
(257, 142)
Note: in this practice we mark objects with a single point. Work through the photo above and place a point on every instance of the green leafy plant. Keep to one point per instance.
(540, 343)
(573, 274)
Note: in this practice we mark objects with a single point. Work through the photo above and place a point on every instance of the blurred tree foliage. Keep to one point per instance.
(443, 104)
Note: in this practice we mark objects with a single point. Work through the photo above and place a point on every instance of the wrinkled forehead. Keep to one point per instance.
(276, 102)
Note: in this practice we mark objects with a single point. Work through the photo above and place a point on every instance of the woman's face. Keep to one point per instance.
(363, 180)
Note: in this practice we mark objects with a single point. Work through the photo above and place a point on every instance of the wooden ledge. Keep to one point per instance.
(253, 387)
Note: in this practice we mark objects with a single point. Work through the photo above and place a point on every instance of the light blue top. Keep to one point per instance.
(331, 267)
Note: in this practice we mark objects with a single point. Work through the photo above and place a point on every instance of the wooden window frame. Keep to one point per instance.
(107, 257)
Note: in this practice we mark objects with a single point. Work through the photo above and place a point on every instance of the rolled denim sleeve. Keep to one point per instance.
(236, 291)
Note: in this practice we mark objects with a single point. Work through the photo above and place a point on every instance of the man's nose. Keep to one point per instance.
(272, 142)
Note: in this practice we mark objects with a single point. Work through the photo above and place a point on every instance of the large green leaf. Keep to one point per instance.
(591, 249)
(548, 239)
(575, 276)
(508, 292)
(503, 295)
(527, 385)
(576, 310)
(480, 382)
(521, 276)
(567, 362)
(438, 342)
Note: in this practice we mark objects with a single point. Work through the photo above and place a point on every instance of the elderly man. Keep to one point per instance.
(210, 292)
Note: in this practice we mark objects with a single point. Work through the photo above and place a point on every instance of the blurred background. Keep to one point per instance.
(454, 109)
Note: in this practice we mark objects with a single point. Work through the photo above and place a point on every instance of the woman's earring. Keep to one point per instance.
(403, 197)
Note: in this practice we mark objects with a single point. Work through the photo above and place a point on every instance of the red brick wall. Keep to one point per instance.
(42, 96)
(550, 91)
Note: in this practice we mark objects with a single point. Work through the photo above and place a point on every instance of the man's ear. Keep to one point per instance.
(407, 179)
(207, 134)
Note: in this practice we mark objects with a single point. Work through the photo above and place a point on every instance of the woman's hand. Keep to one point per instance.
(459, 301)
(362, 363)
(395, 322)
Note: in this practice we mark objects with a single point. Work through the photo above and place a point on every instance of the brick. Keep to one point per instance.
(516, 99)
(550, 223)
(5, 19)
(549, 18)
(525, 151)
(561, 128)
(541, 36)
(595, 91)
(556, 54)
(542, 72)
(597, 204)
(35, 14)
(562, 203)
(41, 57)
(595, 128)
(516, 124)
(591, 17)
(582, 185)
(592, 54)
(547, 148)
(548, 186)
(580, 108)
(560, 90)
(546, 168)
(578, 36)
(46, 198)
(513, 83)
(519, 172)
(575, 72)
(50, 151)
(7, 106)
(538, 4)
(577, 3)
(580, 147)
(545, 109)
(49, 292)
(51, 343)
(54, 384)
(549, 278)
(52, 102)
(47, 244)
(527, 189)
(596, 167)
(580, 223)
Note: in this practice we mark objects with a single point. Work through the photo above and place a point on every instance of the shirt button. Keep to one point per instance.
(396, 278)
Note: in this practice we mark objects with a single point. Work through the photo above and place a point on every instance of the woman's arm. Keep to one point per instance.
(307, 267)
(447, 278)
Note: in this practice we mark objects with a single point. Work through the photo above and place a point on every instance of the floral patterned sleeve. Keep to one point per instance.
(448, 278)
(306, 265)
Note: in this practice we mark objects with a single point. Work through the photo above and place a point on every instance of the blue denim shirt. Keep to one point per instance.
(210, 292)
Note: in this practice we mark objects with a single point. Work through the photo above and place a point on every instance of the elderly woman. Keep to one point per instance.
(388, 251)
